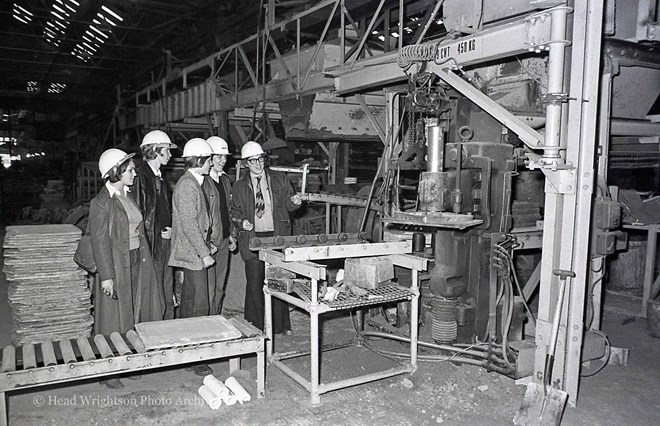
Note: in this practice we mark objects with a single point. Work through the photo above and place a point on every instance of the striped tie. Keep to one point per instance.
(259, 204)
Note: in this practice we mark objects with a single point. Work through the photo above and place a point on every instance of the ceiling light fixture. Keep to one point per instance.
(22, 14)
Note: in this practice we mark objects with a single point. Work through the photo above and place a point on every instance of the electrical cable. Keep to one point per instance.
(606, 357)
(421, 343)
(485, 360)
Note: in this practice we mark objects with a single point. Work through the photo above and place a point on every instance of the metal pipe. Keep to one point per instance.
(557, 47)
(329, 387)
(435, 146)
(295, 376)
(325, 348)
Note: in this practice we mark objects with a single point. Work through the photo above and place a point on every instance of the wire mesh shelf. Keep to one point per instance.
(376, 296)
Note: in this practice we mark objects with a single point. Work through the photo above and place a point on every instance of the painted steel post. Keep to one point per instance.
(314, 349)
(268, 316)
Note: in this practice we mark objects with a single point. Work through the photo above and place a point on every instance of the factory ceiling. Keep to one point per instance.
(73, 57)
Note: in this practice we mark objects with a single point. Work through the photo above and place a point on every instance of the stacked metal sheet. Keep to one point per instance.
(48, 292)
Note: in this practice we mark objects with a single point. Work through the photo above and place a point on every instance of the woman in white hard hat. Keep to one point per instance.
(191, 229)
(260, 205)
(126, 291)
(153, 197)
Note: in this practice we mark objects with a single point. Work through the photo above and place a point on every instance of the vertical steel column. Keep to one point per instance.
(567, 224)
(400, 25)
(555, 83)
(342, 33)
(598, 263)
(588, 20)
(298, 54)
(332, 161)
(555, 230)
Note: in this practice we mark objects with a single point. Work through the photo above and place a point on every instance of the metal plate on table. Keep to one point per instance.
(186, 331)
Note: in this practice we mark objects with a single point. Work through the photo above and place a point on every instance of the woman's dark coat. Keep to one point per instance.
(112, 258)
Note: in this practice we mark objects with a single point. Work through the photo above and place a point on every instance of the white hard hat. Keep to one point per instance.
(111, 158)
(251, 149)
(157, 137)
(218, 145)
(197, 147)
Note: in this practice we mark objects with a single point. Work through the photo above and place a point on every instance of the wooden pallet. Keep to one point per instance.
(83, 358)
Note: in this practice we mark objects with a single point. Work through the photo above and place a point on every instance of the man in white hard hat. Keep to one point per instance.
(260, 205)
(153, 197)
(191, 225)
(217, 187)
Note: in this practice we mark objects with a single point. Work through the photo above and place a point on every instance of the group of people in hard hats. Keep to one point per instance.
(139, 232)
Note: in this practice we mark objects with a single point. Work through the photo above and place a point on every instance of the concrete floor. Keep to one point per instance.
(435, 393)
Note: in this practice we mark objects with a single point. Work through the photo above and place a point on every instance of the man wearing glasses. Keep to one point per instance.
(260, 205)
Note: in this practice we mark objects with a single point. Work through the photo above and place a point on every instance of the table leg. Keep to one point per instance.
(414, 319)
(261, 372)
(314, 355)
(268, 317)
(234, 364)
(4, 415)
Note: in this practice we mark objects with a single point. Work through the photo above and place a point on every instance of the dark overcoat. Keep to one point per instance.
(152, 196)
(110, 246)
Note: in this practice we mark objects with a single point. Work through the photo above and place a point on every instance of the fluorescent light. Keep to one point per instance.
(58, 16)
(112, 13)
(59, 9)
(98, 31)
(27, 12)
(20, 19)
(91, 49)
(104, 18)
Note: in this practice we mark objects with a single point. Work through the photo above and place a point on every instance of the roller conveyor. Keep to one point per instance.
(46, 363)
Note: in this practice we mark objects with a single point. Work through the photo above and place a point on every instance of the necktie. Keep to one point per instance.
(259, 204)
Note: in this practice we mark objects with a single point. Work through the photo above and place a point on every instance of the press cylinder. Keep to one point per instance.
(435, 146)
(419, 242)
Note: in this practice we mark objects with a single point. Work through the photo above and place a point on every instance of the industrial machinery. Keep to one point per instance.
(499, 122)
(462, 200)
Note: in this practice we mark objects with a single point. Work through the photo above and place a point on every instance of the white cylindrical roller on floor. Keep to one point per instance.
(238, 390)
(213, 400)
(216, 386)
(230, 399)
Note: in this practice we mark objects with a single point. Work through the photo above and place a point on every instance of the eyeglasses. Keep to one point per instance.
(254, 161)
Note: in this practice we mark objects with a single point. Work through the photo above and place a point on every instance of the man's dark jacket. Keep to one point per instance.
(152, 195)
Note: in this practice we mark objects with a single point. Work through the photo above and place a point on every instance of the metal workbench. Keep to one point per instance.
(299, 261)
